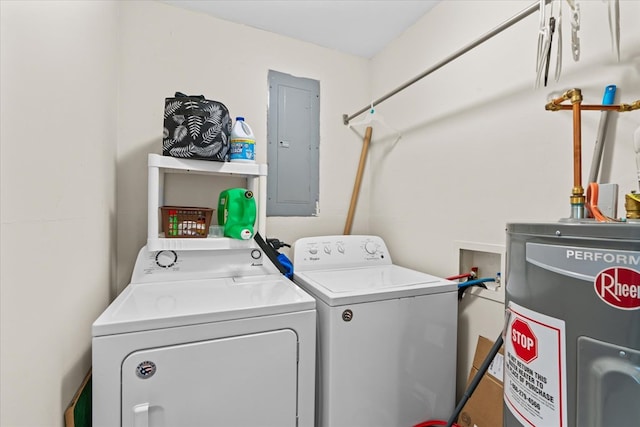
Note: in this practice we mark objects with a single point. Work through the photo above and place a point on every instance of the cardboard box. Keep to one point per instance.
(484, 408)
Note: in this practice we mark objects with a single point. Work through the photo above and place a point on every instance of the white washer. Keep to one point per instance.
(205, 338)
(387, 334)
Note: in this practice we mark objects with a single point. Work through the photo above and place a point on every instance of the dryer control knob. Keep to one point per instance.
(166, 259)
(370, 247)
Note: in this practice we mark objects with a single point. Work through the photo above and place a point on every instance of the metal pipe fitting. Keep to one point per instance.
(632, 205)
(629, 107)
(577, 201)
(575, 95)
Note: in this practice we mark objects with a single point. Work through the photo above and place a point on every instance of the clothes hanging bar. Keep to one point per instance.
(506, 24)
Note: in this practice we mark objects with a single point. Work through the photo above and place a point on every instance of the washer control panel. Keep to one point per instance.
(311, 253)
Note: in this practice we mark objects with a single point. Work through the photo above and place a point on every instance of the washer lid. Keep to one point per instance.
(355, 285)
(147, 306)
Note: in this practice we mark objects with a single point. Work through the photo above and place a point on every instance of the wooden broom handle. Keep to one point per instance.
(356, 185)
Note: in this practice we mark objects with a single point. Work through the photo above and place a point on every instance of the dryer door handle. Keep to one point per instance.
(141, 415)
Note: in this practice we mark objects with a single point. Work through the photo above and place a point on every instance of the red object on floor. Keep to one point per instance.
(431, 423)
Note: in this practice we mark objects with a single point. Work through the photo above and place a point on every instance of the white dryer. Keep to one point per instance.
(387, 334)
(205, 338)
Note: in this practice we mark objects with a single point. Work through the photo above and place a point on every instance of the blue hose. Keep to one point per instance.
(287, 264)
(476, 282)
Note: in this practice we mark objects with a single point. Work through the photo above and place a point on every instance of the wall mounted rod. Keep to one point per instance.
(506, 24)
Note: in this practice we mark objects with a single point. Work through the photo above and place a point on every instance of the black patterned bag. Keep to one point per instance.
(196, 128)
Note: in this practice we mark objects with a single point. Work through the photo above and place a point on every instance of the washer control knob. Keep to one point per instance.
(370, 247)
(256, 254)
(340, 248)
(166, 259)
(313, 251)
(327, 249)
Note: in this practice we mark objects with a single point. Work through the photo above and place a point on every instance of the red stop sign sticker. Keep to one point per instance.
(525, 343)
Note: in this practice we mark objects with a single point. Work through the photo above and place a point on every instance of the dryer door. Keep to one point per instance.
(246, 380)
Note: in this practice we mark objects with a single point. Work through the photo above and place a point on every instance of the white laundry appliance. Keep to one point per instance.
(205, 338)
(387, 334)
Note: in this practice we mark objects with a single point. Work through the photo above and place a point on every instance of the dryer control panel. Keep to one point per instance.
(311, 253)
(173, 266)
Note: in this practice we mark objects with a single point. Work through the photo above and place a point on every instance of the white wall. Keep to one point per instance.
(58, 102)
(478, 148)
(169, 49)
(83, 87)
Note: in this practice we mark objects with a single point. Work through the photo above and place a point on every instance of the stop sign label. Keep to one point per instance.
(525, 343)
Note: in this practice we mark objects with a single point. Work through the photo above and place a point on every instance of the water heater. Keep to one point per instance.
(572, 347)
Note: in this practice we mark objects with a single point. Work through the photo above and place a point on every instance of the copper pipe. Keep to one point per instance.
(620, 108)
(578, 191)
(576, 99)
(557, 101)
(575, 95)
(356, 185)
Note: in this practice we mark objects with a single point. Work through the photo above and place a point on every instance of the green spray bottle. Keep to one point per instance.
(237, 212)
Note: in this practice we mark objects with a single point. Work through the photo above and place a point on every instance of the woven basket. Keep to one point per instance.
(186, 222)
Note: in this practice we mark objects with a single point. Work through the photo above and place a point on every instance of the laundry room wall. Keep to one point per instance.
(169, 49)
(478, 149)
(58, 129)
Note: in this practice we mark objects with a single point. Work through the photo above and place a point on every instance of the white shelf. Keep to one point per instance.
(217, 243)
(159, 165)
(172, 164)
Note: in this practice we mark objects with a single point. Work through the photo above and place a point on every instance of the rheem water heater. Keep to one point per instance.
(572, 348)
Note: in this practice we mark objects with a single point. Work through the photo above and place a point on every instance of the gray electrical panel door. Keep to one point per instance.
(293, 132)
